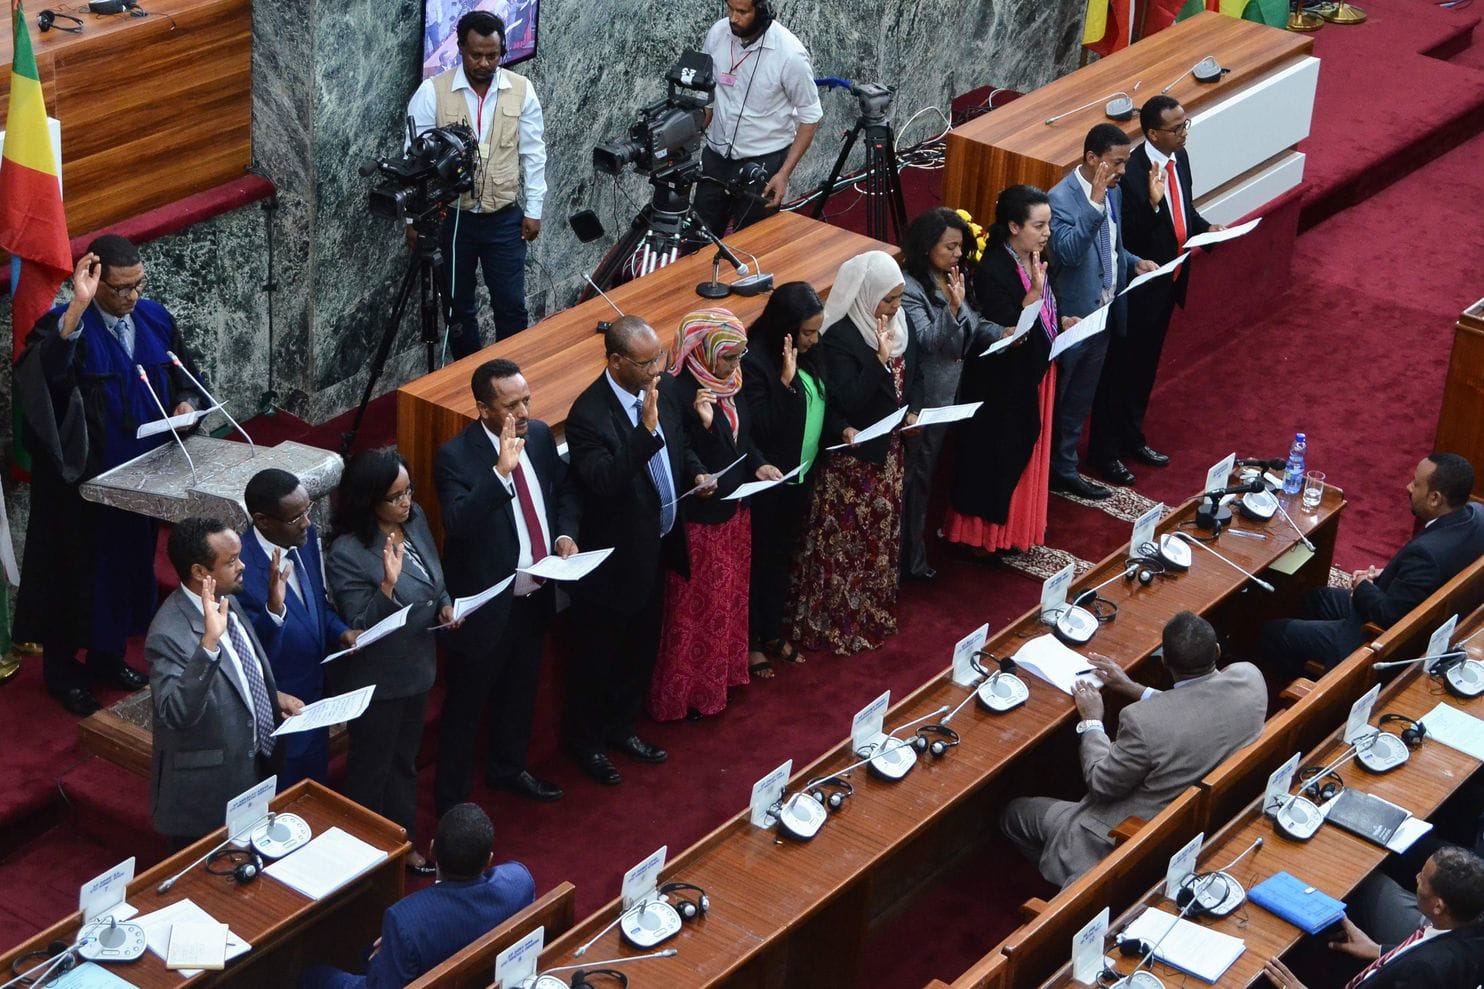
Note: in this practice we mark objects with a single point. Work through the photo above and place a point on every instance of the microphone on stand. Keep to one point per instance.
(212, 399)
(1453, 654)
(546, 975)
(1211, 514)
(139, 370)
(164, 887)
(1244, 572)
(1302, 538)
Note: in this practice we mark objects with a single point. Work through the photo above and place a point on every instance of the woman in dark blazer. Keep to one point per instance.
(845, 583)
(383, 558)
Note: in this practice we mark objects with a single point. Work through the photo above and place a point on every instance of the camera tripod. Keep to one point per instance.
(422, 269)
(659, 233)
(883, 184)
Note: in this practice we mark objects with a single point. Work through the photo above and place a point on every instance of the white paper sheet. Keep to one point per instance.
(1217, 236)
(757, 487)
(157, 927)
(1202, 952)
(879, 428)
(328, 862)
(465, 606)
(328, 711)
(182, 421)
(1455, 729)
(196, 946)
(944, 414)
(380, 630)
(711, 477)
(1047, 658)
(1168, 268)
(1093, 323)
(574, 567)
(1027, 319)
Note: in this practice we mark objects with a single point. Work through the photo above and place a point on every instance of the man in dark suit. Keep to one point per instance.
(1092, 266)
(1444, 945)
(298, 627)
(422, 931)
(630, 464)
(1159, 217)
(215, 699)
(1334, 619)
(505, 505)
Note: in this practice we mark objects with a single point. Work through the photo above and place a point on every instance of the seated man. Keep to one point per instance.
(1333, 622)
(1166, 742)
(1445, 946)
(423, 930)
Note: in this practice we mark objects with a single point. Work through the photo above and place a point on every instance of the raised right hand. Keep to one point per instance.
(85, 278)
(1156, 187)
(885, 337)
(391, 559)
(650, 414)
(510, 447)
(790, 361)
(278, 581)
(705, 406)
(849, 435)
(1038, 274)
(213, 615)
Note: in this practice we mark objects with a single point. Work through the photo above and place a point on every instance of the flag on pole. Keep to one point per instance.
(1117, 19)
(33, 226)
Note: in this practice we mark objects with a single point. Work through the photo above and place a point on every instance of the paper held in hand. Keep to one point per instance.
(1022, 326)
(757, 487)
(183, 421)
(1047, 658)
(1217, 236)
(1168, 268)
(875, 429)
(709, 478)
(466, 606)
(1092, 324)
(376, 632)
(329, 711)
(574, 567)
(944, 414)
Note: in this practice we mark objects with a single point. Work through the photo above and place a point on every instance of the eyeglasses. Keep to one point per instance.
(733, 358)
(648, 365)
(301, 517)
(404, 495)
(1177, 130)
(123, 291)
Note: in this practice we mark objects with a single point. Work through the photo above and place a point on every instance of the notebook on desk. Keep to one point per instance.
(1367, 815)
(1181, 944)
(1303, 906)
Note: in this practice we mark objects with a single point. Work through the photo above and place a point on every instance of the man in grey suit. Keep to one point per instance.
(1090, 267)
(1167, 740)
(215, 700)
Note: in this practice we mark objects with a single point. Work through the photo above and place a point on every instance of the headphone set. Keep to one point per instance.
(1414, 733)
(47, 21)
(31, 958)
(763, 14)
(581, 976)
(1209, 894)
(688, 909)
(1315, 786)
(830, 792)
(924, 742)
(243, 864)
(1145, 567)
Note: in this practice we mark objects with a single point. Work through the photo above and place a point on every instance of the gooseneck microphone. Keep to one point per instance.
(164, 887)
(641, 906)
(667, 953)
(918, 721)
(1241, 570)
(1289, 519)
(1101, 99)
(139, 370)
(605, 296)
(180, 365)
(1092, 592)
(1452, 654)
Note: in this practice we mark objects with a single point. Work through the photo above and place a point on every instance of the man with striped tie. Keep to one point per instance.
(630, 466)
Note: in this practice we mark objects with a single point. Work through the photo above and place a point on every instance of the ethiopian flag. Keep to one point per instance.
(33, 227)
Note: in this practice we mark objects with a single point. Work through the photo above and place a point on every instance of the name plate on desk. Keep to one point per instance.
(964, 653)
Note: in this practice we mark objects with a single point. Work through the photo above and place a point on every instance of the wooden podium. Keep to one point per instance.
(1243, 133)
(1461, 420)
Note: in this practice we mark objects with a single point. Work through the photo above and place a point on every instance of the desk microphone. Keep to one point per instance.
(164, 887)
(1439, 656)
(1211, 514)
(1229, 900)
(1002, 689)
(139, 370)
(211, 398)
(1131, 981)
(1246, 573)
(642, 906)
(892, 762)
(918, 721)
(544, 980)
(1289, 518)
(1126, 105)
(605, 296)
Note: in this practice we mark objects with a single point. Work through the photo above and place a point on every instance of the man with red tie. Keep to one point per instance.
(505, 505)
(1158, 217)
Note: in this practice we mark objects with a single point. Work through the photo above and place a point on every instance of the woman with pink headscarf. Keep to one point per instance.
(703, 643)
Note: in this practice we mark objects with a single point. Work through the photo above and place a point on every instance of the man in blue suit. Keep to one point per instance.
(1090, 266)
(293, 618)
(421, 931)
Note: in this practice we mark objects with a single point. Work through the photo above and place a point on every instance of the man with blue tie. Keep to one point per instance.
(630, 465)
(293, 619)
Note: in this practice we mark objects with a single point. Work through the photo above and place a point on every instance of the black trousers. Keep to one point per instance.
(1329, 630)
(381, 766)
(500, 681)
(717, 207)
(1128, 375)
(608, 676)
(777, 518)
(492, 242)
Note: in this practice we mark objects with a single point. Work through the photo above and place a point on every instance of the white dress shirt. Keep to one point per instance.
(763, 91)
(531, 146)
(524, 583)
(232, 663)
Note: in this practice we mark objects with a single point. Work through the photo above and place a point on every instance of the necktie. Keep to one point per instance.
(296, 575)
(124, 331)
(1412, 939)
(1105, 246)
(657, 474)
(534, 529)
(1176, 201)
(262, 706)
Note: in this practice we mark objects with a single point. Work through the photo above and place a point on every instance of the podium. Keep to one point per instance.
(1244, 129)
(1461, 419)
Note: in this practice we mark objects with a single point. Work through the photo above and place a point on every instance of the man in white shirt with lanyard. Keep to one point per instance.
(490, 226)
(764, 112)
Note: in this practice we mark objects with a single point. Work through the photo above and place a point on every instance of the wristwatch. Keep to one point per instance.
(1091, 724)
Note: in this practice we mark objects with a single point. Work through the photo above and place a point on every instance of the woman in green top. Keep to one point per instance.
(784, 392)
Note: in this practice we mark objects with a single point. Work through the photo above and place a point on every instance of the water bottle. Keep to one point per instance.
(1293, 472)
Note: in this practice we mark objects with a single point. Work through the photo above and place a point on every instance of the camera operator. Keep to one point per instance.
(490, 226)
(763, 116)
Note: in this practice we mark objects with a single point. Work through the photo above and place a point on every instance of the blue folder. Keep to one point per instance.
(1303, 906)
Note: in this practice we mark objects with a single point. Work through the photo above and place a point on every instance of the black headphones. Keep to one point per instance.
(830, 792)
(47, 20)
(1144, 569)
(1185, 897)
(762, 11)
(688, 909)
(1414, 733)
(1315, 787)
(32, 959)
(580, 977)
(947, 739)
(243, 864)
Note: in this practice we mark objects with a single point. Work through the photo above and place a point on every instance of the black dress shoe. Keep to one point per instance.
(1080, 487)
(527, 785)
(600, 767)
(635, 747)
(1114, 471)
(925, 575)
(129, 678)
(1148, 455)
(78, 701)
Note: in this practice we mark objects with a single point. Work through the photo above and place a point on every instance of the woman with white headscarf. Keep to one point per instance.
(845, 580)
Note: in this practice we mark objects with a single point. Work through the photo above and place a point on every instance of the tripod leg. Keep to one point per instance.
(828, 187)
(894, 189)
(606, 274)
(383, 349)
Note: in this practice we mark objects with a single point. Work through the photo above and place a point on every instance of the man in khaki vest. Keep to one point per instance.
(490, 226)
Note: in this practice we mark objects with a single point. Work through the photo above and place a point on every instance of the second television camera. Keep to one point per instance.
(437, 168)
(668, 132)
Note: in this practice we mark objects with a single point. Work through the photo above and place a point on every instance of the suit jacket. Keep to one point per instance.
(1452, 958)
(1150, 232)
(1164, 744)
(943, 340)
(310, 629)
(860, 388)
(620, 506)
(1434, 555)
(405, 662)
(1076, 227)
(777, 411)
(480, 546)
(203, 753)
(717, 447)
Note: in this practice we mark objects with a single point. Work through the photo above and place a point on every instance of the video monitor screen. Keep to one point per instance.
(441, 40)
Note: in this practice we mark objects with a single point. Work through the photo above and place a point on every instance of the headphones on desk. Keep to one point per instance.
(580, 977)
(923, 742)
(1414, 733)
(243, 864)
(831, 793)
(47, 21)
(1144, 568)
(1315, 787)
(688, 909)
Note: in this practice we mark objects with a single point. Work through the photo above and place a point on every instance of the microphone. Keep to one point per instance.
(754, 283)
(180, 365)
(1051, 120)
(1302, 538)
(642, 906)
(1182, 76)
(667, 953)
(723, 251)
(605, 296)
(1092, 592)
(164, 887)
(1128, 980)
(1451, 655)
(139, 370)
(1246, 573)
(925, 717)
(1241, 487)
(42, 970)
(1277, 463)
(368, 168)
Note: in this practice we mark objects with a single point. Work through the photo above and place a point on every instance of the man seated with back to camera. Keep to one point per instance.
(1167, 740)
(471, 896)
(763, 115)
(1333, 621)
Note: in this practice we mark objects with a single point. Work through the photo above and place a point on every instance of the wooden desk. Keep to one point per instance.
(1461, 419)
(153, 109)
(1334, 860)
(288, 932)
(1014, 144)
(790, 914)
(563, 354)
